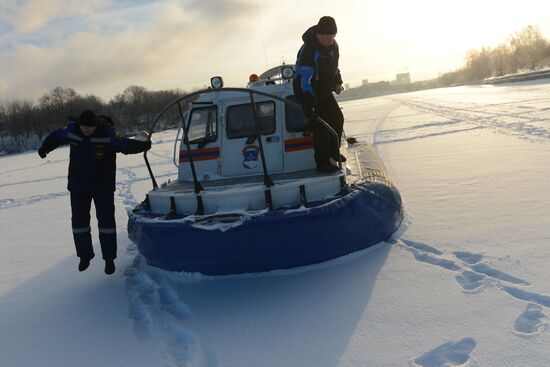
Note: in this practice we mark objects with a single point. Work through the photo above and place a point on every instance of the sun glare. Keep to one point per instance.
(427, 37)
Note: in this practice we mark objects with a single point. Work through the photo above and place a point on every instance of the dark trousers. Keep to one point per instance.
(324, 143)
(105, 213)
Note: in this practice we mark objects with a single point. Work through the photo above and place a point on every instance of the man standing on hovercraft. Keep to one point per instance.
(317, 76)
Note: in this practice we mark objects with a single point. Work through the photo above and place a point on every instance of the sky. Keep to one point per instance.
(101, 47)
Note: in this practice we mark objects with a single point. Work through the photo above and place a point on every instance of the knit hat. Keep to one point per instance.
(87, 118)
(326, 25)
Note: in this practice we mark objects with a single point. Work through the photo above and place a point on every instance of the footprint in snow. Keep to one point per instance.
(448, 354)
(531, 321)
(471, 281)
(468, 257)
(474, 275)
(428, 254)
(422, 247)
(430, 259)
(497, 274)
(537, 298)
(160, 315)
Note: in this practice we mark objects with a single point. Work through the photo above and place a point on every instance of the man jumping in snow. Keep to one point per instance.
(92, 172)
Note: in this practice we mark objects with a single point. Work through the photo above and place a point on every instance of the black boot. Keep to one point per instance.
(342, 158)
(109, 267)
(327, 168)
(84, 263)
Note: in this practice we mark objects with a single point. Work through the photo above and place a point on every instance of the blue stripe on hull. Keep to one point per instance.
(367, 214)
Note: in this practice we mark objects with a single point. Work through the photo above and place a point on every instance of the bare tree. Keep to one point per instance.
(17, 125)
(529, 46)
(58, 98)
(23, 124)
(56, 105)
(133, 103)
(478, 64)
(502, 60)
(136, 107)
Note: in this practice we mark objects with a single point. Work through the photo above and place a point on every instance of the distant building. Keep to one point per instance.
(365, 82)
(346, 86)
(402, 79)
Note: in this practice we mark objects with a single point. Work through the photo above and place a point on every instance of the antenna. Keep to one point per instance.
(261, 34)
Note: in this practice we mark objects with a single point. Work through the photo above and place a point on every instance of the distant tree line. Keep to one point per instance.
(23, 124)
(524, 50)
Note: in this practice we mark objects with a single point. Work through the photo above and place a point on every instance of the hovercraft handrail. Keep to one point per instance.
(267, 179)
(197, 185)
(268, 182)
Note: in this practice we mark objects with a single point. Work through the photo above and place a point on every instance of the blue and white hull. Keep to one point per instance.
(366, 211)
(249, 195)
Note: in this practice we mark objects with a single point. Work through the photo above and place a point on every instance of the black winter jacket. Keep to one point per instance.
(316, 68)
(92, 165)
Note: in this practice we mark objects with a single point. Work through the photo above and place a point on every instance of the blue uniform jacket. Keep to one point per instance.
(316, 69)
(92, 166)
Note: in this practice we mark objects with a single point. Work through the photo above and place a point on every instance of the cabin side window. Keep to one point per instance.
(295, 118)
(241, 123)
(202, 125)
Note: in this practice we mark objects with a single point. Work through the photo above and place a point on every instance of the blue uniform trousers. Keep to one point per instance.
(105, 213)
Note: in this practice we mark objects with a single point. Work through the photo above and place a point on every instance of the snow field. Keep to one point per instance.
(465, 283)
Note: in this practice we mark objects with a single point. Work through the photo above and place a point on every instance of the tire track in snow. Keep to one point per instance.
(124, 192)
(429, 135)
(421, 126)
(33, 181)
(12, 203)
(367, 129)
(33, 167)
(422, 133)
(485, 118)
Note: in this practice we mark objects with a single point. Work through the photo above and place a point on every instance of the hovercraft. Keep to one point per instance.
(248, 197)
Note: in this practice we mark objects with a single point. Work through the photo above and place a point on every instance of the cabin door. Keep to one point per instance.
(240, 148)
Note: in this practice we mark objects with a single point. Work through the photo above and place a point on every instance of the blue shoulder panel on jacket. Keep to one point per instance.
(306, 73)
(62, 133)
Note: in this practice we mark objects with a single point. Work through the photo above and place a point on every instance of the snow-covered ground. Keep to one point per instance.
(467, 283)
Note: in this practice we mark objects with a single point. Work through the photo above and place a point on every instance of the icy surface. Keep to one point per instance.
(465, 283)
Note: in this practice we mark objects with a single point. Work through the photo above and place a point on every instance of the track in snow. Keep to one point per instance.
(473, 274)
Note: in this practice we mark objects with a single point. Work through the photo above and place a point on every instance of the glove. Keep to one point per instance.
(42, 153)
